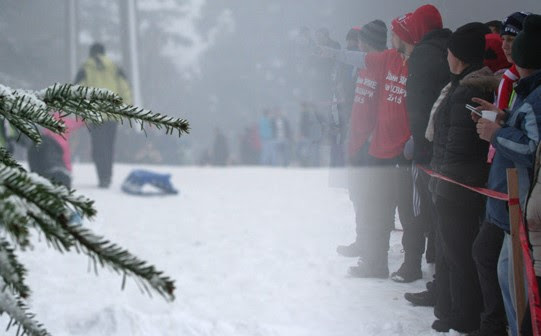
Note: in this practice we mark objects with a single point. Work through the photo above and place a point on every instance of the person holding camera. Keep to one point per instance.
(515, 135)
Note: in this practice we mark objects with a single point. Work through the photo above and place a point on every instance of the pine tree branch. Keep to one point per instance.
(61, 241)
(86, 103)
(37, 112)
(110, 255)
(7, 159)
(12, 219)
(18, 214)
(44, 204)
(24, 111)
(97, 105)
(29, 198)
(49, 197)
(18, 312)
(12, 271)
(157, 120)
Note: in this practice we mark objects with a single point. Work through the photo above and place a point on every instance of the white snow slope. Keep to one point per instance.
(252, 251)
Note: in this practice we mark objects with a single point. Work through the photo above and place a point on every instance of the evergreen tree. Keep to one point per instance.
(30, 203)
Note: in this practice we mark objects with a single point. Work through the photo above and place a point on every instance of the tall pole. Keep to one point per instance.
(128, 12)
(71, 38)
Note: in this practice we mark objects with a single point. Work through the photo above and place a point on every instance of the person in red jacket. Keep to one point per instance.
(52, 157)
(372, 38)
(391, 131)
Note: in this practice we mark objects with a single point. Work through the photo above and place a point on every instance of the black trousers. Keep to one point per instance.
(378, 211)
(426, 218)
(486, 251)
(459, 298)
(359, 175)
(413, 237)
(103, 142)
(379, 187)
(46, 159)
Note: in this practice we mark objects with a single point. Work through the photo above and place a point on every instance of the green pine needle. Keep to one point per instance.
(30, 201)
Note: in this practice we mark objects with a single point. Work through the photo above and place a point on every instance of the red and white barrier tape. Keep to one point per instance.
(533, 290)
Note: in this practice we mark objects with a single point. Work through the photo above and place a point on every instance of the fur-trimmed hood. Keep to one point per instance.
(483, 78)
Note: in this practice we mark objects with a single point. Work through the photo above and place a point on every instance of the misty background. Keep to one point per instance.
(216, 63)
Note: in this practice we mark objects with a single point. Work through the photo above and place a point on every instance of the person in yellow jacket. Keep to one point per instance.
(100, 71)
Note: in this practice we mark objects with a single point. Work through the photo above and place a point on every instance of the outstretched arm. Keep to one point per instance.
(350, 57)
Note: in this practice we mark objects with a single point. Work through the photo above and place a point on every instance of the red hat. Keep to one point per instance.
(494, 57)
(424, 20)
(401, 27)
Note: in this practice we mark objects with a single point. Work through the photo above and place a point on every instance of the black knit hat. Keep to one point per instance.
(97, 49)
(527, 45)
(353, 34)
(512, 25)
(467, 43)
(374, 34)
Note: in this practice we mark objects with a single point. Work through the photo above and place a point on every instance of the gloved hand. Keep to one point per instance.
(408, 149)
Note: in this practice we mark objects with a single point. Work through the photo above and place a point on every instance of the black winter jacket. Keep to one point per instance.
(458, 152)
(428, 74)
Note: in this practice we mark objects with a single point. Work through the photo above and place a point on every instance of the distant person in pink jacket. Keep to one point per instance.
(52, 158)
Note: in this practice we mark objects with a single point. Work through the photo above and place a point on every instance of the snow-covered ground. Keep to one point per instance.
(253, 253)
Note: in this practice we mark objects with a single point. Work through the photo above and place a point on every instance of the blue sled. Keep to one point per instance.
(134, 183)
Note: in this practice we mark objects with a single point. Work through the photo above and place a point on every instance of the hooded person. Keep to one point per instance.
(425, 19)
(459, 154)
(391, 131)
(495, 58)
(428, 74)
(495, 26)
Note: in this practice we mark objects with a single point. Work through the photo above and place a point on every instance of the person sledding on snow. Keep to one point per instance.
(136, 181)
(52, 158)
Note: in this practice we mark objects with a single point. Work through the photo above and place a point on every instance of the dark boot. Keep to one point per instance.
(369, 270)
(422, 299)
(486, 330)
(407, 273)
(441, 326)
(444, 325)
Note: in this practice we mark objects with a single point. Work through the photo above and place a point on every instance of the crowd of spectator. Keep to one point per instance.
(465, 104)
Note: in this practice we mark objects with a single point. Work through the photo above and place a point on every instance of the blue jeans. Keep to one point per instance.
(267, 152)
